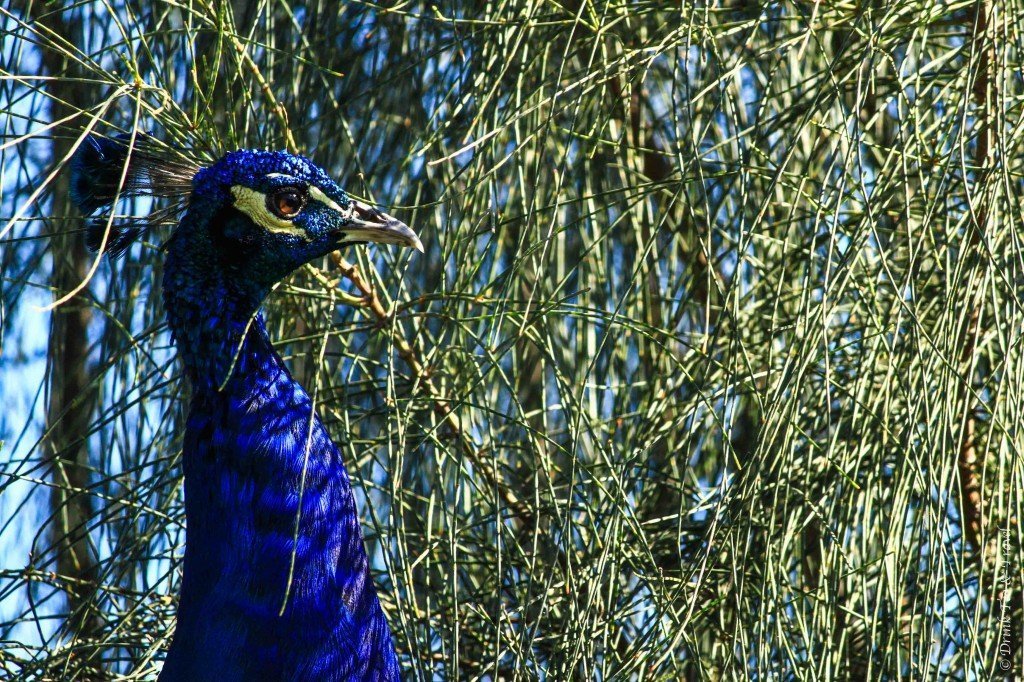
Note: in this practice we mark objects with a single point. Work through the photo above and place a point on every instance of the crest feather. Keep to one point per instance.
(147, 168)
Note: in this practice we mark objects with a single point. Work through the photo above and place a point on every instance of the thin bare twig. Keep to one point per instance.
(442, 405)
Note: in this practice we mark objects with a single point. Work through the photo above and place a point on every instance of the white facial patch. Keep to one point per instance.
(317, 193)
(254, 205)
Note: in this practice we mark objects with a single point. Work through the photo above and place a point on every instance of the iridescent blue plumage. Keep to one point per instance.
(276, 582)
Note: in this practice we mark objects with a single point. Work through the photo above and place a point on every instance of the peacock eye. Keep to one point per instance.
(286, 202)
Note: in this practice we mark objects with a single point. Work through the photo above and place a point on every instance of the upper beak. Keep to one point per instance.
(371, 225)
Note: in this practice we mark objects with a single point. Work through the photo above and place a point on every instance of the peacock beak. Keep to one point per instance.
(370, 225)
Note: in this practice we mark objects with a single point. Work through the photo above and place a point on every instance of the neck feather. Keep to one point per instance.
(276, 577)
(215, 318)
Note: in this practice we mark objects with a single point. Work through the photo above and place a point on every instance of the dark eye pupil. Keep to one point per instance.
(287, 203)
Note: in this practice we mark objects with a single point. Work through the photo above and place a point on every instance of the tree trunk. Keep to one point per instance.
(71, 397)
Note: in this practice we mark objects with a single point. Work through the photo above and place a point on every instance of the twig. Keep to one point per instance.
(967, 461)
(442, 405)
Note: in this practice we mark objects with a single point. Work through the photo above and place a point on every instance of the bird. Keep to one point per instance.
(275, 579)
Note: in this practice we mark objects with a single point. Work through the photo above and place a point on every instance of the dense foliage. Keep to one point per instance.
(712, 368)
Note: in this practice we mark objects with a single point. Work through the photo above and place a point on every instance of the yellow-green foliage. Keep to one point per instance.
(712, 367)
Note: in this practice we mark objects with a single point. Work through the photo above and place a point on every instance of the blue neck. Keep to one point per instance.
(210, 308)
(276, 582)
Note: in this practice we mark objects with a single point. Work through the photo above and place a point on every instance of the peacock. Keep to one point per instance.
(275, 582)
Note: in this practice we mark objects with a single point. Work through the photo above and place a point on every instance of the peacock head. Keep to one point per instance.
(253, 215)
(267, 213)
